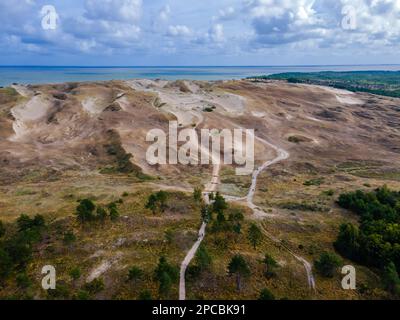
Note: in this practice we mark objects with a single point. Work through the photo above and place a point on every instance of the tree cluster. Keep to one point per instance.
(87, 211)
(16, 249)
(376, 242)
(157, 202)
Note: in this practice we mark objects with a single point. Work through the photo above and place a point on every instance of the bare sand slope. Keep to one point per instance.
(68, 123)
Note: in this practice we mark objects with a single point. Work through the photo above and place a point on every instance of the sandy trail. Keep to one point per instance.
(281, 155)
(259, 214)
(211, 187)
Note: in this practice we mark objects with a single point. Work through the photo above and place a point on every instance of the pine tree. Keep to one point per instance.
(203, 258)
(166, 275)
(101, 214)
(254, 235)
(219, 205)
(238, 267)
(135, 274)
(162, 198)
(152, 203)
(198, 195)
(165, 284)
(270, 265)
(114, 213)
(85, 210)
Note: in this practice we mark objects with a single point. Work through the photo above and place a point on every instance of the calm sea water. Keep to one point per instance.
(34, 75)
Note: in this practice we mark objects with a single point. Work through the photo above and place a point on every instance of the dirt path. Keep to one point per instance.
(259, 214)
(189, 257)
(210, 187)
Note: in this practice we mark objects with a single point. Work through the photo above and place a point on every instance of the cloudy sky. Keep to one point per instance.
(194, 32)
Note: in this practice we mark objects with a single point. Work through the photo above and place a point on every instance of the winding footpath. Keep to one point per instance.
(257, 214)
(211, 187)
(281, 155)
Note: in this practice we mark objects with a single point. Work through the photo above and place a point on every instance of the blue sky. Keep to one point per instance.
(193, 32)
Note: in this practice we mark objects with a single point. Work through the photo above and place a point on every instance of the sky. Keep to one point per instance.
(199, 32)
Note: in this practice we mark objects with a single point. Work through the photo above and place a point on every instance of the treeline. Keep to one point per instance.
(376, 242)
(383, 83)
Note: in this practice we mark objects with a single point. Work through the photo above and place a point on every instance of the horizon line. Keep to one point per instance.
(199, 66)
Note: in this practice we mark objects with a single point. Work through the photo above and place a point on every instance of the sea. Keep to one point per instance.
(52, 74)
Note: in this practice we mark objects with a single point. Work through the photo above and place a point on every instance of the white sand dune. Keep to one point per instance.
(26, 113)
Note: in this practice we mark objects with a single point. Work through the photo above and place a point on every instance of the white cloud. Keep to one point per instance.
(216, 33)
(164, 13)
(179, 31)
(113, 26)
(226, 14)
(114, 10)
(284, 22)
(105, 25)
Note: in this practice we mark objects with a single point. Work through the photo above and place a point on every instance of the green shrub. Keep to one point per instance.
(75, 273)
(327, 264)
(157, 202)
(135, 274)
(60, 292)
(265, 294)
(85, 211)
(23, 280)
(166, 275)
(69, 238)
(239, 267)
(314, 182)
(95, 286)
(82, 295)
(145, 295)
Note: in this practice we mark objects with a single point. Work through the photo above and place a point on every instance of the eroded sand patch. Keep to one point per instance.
(27, 113)
(92, 106)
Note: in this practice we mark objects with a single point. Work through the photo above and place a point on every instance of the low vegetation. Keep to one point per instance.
(123, 165)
